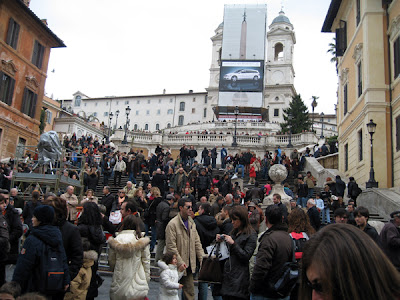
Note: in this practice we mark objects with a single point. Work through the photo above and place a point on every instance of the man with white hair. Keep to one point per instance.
(72, 203)
(229, 199)
(129, 190)
(15, 200)
(313, 214)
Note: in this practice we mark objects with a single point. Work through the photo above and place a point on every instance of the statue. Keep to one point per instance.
(49, 149)
(278, 173)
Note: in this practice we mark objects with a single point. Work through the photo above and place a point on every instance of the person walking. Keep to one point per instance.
(119, 168)
(162, 219)
(72, 203)
(390, 239)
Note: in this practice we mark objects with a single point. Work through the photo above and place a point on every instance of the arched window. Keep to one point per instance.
(78, 101)
(135, 127)
(157, 126)
(146, 126)
(182, 106)
(169, 125)
(180, 120)
(278, 52)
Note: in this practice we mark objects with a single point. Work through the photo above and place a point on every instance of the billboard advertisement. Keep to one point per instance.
(244, 32)
(245, 76)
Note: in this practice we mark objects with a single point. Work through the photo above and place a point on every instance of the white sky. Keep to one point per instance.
(132, 47)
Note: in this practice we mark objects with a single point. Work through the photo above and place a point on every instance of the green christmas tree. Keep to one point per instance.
(296, 116)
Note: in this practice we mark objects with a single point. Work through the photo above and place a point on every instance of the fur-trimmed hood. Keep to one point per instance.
(164, 266)
(89, 257)
(128, 249)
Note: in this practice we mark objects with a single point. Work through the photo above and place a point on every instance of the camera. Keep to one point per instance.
(222, 237)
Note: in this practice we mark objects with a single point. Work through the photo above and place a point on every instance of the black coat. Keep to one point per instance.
(203, 182)
(314, 216)
(91, 181)
(73, 247)
(150, 215)
(159, 181)
(226, 226)
(27, 214)
(225, 187)
(108, 201)
(94, 234)
(207, 229)
(340, 187)
(162, 218)
(236, 276)
(15, 231)
(390, 240)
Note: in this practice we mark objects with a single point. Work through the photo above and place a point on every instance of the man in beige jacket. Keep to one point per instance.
(72, 203)
(183, 240)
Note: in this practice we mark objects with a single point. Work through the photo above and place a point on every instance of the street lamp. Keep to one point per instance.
(371, 183)
(127, 112)
(290, 131)
(236, 112)
(116, 119)
(322, 125)
(313, 105)
(110, 116)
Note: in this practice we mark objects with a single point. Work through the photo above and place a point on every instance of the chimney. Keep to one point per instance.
(44, 21)
(190, 91)
(27, 2)
(164, 91)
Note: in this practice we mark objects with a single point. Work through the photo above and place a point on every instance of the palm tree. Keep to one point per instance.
(332, 50)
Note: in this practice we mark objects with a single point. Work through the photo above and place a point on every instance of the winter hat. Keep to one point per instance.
(44, 213)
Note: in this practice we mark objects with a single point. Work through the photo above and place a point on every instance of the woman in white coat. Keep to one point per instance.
(129, 258)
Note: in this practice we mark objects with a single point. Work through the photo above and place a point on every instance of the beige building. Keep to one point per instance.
(52, 110)
(368, 52)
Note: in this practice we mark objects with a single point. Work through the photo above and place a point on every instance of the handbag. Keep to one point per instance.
(115, 217)
(211, 269)
(287, 278)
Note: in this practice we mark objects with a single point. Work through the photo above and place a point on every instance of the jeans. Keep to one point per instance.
(214, 162)
(191, 161)
(310, 193)
(223, 163)
(259, 297)
(237, 168)
(106, 177)
(153, 235)
(326, 218)
(203, 290)
(132, 178)
(265, 173)
(302, 201)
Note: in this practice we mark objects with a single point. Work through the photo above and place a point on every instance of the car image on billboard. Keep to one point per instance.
(241, 76)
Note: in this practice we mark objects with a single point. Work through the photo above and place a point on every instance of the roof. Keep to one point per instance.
(331, 15)
(40, 23)
(281, 18)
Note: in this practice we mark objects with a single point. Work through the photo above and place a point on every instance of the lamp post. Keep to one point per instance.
(110, 116)
(290, 131)
(322, 125)
(116, 119)
(127, 112)
(371, 183)
(236, 112)
(313, 105)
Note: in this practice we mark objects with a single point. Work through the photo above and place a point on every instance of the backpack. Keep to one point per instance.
(299, 240)
(51, 270)
(356, 191)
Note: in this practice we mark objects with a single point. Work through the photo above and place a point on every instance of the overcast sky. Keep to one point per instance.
(130, 47)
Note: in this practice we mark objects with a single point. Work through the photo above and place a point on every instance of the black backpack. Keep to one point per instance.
(51, 269)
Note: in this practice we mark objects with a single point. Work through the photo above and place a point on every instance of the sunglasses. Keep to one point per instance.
(316, 286)
(188, 207)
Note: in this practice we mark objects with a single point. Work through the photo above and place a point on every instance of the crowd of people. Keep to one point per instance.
(178, 208)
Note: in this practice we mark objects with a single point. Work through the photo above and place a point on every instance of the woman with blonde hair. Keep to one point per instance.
(150, 215)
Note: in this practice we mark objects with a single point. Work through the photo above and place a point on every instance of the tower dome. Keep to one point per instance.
(281, 18)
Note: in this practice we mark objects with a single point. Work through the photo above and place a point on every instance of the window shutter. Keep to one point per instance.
(397, 133)
(10, 93)
(41, 54)
(35, 52)
(396, 57)
(33, 106)
(15, 35)
(10, 31)
(24, 101)
(1, 86)
(341, 41)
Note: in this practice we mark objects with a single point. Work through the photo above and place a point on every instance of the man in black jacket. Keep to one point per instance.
(162, 219)
(107, 200)
(159, 180)
(275, 249)
(361, 216)
(203, 183)
(313, 214)
(276, 198)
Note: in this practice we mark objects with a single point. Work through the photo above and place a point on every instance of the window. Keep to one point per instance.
(95, 114)
(135, 127)
(157, 126)
(95, 104)
(276, 112)
(276, 98)
(12, 33)
(278, 52)
(346, 157)
(158, 111)
(137, 112)
(194, 99)
(171, 100)
(180, 120)
(170, 111)
(138, 102)
(117, 102)
(345, 99)
(359, 74)
(193, 110)
(396, 56)
(169, 125)
(205, 99)
(398, 133)
(38, 53)
(21, 147)
(360, 145)
(159, 100)
(146, 126)
(147, 112)
(182, 106)
(148, 101)
(84, 104)
(107, 103)
(29, 101)
(6, 88)
(358, 12)
(126, 102)
(106, 114)
(341, 39)
(78, 101)
(49, 116)
(205, 113)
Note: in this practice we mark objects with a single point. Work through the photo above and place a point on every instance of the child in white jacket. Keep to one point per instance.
(169, 277)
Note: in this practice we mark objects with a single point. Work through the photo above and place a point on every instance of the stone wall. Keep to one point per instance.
(330, 161)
